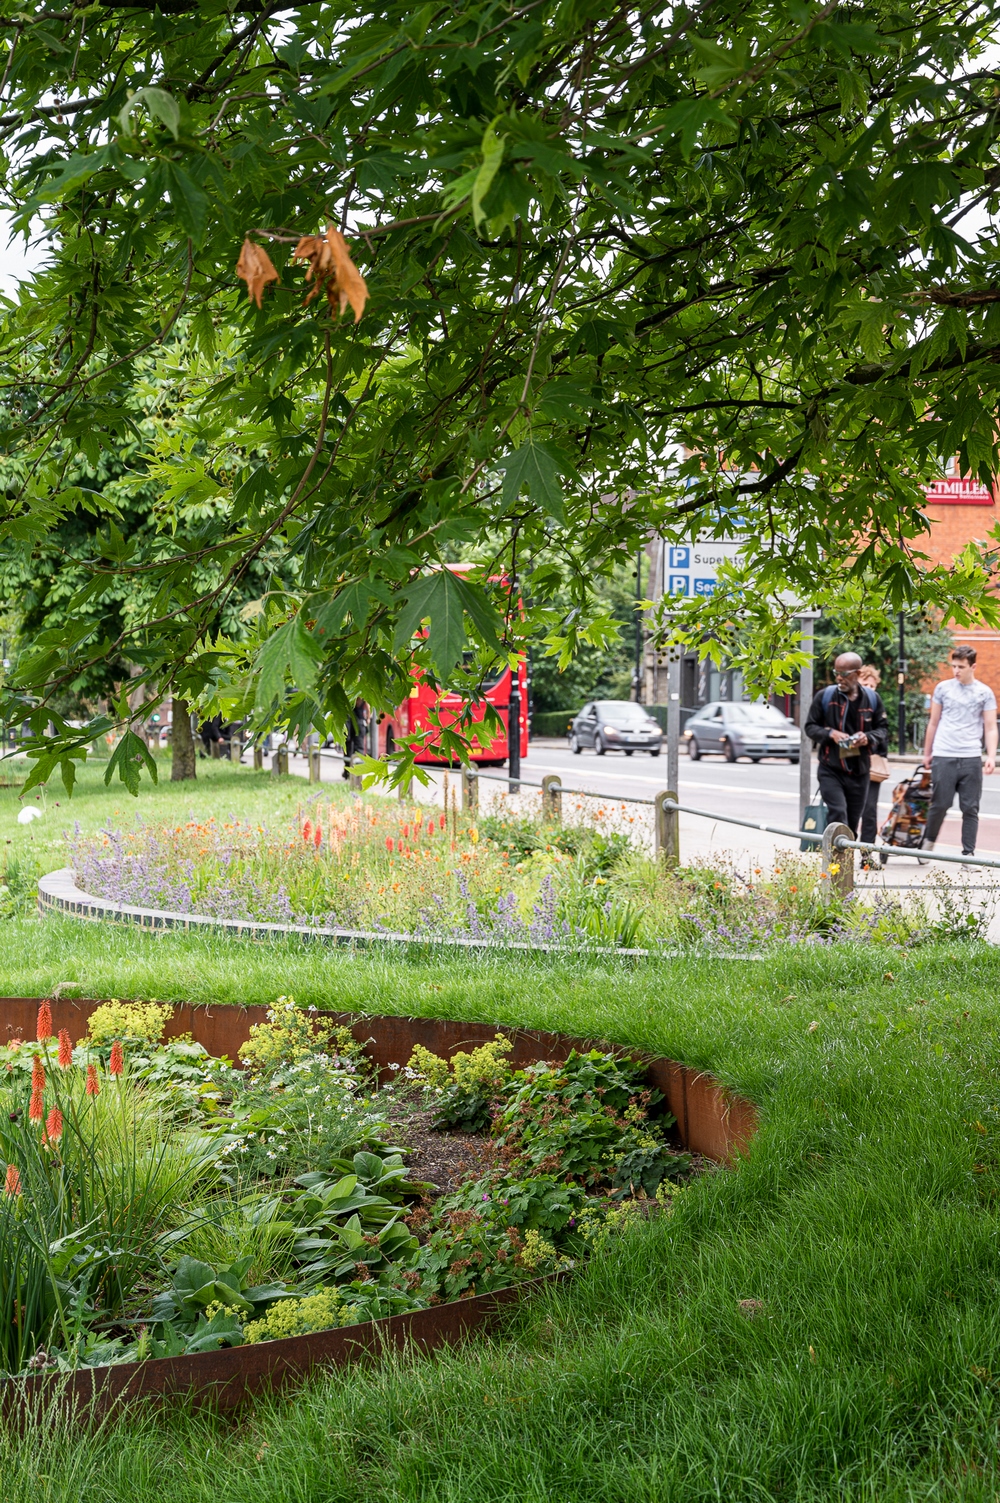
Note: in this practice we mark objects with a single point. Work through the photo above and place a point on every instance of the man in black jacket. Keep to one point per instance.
(847, 724)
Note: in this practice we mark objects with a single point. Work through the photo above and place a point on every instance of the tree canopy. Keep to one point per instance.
(584, 241)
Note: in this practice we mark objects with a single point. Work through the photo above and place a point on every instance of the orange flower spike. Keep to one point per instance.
(12, 1180)
(36, 1107)
(53, 1125)
(307, 831)
(389, 844)
(37, 1074)
(43, 1030)
(317, 837)
(93, 1084)
(65, 1049)
(116, 1064)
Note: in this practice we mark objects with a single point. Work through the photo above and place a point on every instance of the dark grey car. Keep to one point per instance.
(615, 725)
(742, 730)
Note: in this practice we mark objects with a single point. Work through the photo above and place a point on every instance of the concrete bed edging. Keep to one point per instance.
(710, 1120)
(58, 893)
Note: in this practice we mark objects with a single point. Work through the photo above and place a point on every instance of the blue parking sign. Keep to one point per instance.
(678, 584)
(680, 558)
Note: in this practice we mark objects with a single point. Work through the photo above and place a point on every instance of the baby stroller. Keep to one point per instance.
(908, 816)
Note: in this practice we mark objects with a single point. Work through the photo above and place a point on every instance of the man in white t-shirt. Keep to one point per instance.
(963, 715)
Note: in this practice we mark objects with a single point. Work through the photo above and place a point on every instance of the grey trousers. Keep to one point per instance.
(951, 775)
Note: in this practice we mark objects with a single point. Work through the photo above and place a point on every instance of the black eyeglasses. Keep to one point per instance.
(845, 672)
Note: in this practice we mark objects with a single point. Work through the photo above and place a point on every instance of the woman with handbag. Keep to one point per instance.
(870, 678)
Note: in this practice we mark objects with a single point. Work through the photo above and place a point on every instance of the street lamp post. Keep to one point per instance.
(806, 620)
(901, 681)
(514, 718)
(637, 676)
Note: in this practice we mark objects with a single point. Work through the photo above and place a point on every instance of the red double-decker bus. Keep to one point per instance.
(414, 714)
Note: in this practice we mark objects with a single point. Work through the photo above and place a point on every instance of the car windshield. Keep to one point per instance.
(758, 714)
(622, 709)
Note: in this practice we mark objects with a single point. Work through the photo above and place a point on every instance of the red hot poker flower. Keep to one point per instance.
(37, 1074)
(12, 1182)
(116, 1064)
(43, 1029)
(307, 831)
(318, 837)
(65, 1048)
(389, 844)
(93, 1085)
(36, 1107)
(54, 1126)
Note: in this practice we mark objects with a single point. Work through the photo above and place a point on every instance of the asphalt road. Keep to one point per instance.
(766, 791)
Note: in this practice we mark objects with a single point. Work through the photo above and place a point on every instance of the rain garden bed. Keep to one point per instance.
(374, 866)
(161, 1202)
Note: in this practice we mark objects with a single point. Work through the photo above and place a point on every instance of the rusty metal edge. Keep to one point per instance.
(227, 1378)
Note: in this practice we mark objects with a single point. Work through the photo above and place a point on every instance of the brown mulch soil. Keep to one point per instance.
(444, 1158)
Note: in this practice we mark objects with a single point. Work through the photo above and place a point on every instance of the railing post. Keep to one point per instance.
(315, 765)
(470, 791)
(235, 748)
(354, 775)
(258, 757)
(552, 798)
(666, 828)
(837, 869)
(279, 762)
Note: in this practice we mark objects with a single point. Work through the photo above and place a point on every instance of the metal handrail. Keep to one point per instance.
(841, 843)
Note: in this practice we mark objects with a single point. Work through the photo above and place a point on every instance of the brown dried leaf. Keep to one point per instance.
(314, 249)
(351, 285)
(332, 271)
(256, 269)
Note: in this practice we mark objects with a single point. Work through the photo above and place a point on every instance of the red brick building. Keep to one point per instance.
(961, 511)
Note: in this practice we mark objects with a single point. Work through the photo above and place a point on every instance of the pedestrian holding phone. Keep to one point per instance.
(847, 723)
(963, 716)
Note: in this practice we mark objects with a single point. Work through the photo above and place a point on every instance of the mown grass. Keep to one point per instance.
(223, 789)
(864, 1219)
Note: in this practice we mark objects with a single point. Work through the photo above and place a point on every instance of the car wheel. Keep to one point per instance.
(574, 744)
(755, 759)
(794, 761)
(730, 751)
(694, 750)
(599, 745)
(654, 751)
(627, 752)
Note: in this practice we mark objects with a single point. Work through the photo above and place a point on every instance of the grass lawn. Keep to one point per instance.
(222, 789)
(864, 1220)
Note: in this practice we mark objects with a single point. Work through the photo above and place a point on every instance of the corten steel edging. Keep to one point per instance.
(710, 1120)
(226, 1379)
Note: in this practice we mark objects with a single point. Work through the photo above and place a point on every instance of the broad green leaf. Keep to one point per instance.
(532, 468)
(128, 757)
(160, 104)
(493, 149)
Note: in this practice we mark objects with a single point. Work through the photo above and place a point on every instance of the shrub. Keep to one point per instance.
(297, 1317)
(288, 1036)
(131, 1022)
(468, 1086)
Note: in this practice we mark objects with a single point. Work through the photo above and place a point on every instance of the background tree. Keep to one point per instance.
(589, 235)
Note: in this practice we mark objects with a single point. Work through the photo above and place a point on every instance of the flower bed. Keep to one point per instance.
(379, 868)
(160, 1204)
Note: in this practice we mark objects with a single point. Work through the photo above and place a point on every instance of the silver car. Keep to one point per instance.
(742, 730)
(615, 725)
